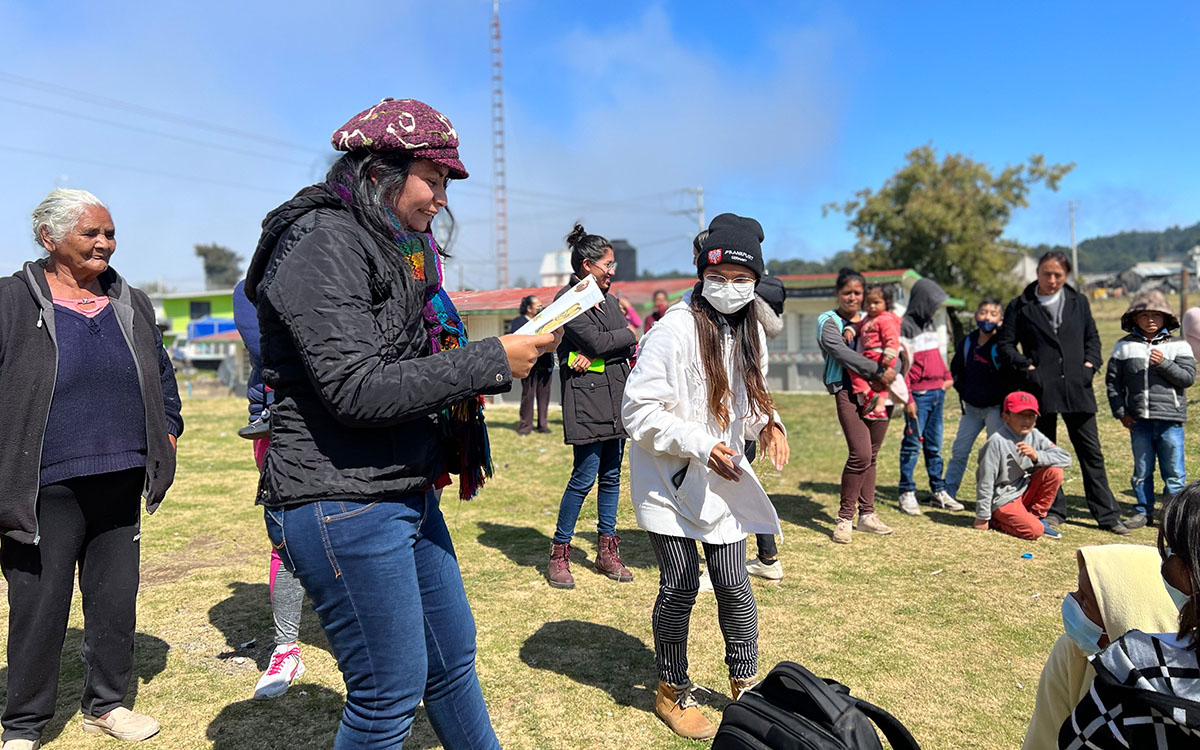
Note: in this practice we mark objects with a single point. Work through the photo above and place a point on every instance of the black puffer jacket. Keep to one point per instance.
(1141, 390)
(28, 368)
(1060, 379)
(592, 400)
(344, 346)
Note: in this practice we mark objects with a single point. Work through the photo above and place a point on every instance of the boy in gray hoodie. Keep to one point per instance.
(1019, 473)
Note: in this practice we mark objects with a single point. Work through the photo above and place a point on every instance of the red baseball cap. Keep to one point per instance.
(1021, 401)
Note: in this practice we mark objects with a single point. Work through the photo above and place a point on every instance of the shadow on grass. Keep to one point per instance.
(295, 720)
(626, 672)
(246, 616)
(802, 510)
(530, 548)
(149, 660)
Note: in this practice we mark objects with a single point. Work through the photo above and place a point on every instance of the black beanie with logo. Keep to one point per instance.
(732, 239)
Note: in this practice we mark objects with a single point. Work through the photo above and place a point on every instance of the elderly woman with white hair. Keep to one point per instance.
(91, 418)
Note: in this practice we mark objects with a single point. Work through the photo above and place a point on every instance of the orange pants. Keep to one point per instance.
(1022, 518)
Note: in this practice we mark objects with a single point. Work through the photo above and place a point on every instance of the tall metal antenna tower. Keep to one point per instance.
(499, 194)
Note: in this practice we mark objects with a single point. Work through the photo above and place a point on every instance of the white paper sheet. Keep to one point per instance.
(583, 297)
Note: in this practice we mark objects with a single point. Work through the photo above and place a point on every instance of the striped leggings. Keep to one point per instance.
(678, 582)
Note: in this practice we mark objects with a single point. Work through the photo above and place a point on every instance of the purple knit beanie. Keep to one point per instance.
(403, 125)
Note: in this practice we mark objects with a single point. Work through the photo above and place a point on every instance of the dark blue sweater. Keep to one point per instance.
(97, 421)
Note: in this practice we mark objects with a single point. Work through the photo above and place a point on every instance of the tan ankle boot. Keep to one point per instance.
(737, 687)
(678, 710)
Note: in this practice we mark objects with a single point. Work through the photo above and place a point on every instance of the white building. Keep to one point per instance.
(556, 268)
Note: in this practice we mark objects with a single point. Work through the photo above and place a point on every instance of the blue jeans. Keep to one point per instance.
(974, 420)
(927, 426)
(386, 586)
(1156, 438)
(593, 460)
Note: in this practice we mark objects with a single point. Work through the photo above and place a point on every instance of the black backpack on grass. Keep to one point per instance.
(793, 709)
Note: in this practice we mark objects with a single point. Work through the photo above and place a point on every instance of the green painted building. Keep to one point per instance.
(176, 309)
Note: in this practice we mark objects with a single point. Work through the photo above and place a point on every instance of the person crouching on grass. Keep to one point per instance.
(1146, 379)
(1019, 473)
(698, 391)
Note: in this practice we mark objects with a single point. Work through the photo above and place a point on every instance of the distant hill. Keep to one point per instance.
(1120, 251)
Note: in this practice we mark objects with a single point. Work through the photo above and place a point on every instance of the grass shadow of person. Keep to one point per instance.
(803, 511)
(149, 660)
(627, 672)
(307, 717)
(245, 615)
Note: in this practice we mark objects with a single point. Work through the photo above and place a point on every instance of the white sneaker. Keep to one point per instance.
(945, 501)
(705, 581)
(772, 571)
(21, 745)
(908, 504)
(285, 668)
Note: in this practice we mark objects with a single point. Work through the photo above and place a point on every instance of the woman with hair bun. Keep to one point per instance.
(594, 359)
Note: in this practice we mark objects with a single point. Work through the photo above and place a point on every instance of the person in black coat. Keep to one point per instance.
(537, 385)
(594, 360)
(91, 418)
(1050, 345)
(378, 399)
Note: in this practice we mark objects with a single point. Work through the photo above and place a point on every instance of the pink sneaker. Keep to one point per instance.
(285, 668)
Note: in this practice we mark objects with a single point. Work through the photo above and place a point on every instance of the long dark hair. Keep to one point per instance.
(585, 246)
(374, 180)
(1180, 530)
(747, 353)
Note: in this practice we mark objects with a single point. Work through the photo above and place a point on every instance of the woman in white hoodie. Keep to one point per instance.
(697, 394)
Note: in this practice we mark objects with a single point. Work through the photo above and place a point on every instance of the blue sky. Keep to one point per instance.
(775, 108)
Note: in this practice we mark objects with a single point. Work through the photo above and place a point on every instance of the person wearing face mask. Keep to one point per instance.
(1146, 692)
(595, 359)
(980, 385)
(1118, 590)
(697, 394)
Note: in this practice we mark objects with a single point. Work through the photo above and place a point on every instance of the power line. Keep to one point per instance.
(259, 138)
(159, 133)
(140, 170)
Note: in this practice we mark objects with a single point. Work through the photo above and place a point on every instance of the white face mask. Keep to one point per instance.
(727, 296)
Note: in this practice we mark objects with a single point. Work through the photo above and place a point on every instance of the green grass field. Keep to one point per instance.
(945, 626)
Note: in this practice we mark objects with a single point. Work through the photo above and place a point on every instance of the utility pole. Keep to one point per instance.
(698, 211)
(499, 192)
(1074, 249)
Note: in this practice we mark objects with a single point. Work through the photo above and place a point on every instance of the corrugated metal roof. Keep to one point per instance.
(640, 293)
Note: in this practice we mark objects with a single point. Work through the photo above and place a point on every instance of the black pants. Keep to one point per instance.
(767, 549)
(1081, 427)
(536, 386)
(93, 522)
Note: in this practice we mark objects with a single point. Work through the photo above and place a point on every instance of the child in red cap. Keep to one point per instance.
(1019, 473)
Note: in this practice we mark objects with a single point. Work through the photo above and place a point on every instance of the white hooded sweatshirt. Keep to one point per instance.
(672, 433)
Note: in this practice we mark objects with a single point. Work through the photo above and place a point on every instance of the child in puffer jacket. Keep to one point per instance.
(1146, 377)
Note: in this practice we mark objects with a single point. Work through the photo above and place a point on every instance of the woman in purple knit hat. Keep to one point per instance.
(378, 398)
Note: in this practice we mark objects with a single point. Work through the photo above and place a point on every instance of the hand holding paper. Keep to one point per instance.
(583, 297)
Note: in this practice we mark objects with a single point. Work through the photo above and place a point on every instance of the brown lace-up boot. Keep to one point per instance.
(558, 572)
(677, 708)
(737, 687)
(608, 560)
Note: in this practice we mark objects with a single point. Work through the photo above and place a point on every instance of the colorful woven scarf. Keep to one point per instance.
(465, 435)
